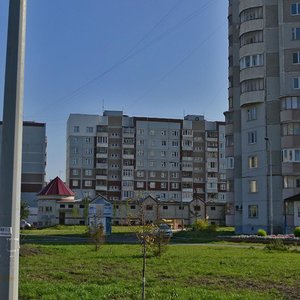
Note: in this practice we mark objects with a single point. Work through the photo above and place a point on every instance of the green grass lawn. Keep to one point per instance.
(183, 272)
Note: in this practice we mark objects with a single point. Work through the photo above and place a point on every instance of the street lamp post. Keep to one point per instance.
(271, 183)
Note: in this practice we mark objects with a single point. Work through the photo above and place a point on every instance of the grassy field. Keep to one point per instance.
(183, 272)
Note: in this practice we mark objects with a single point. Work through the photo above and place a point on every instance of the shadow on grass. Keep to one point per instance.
(114, 238)
(200, 236)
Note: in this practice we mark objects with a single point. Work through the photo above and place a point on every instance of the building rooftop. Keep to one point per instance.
(56, 187)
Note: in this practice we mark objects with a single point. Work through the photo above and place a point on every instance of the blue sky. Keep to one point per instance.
(160, 58)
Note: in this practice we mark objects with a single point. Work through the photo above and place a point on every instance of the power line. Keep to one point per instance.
(132, 52)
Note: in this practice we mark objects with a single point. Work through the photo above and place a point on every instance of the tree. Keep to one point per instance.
(24, 210)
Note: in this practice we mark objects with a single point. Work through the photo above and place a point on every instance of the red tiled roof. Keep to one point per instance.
(56, 187)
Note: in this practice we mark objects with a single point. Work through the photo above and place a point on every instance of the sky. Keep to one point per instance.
(158, 58)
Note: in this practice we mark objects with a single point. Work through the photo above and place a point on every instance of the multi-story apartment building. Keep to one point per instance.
(262, 121)
(122, 157)
(33, 160)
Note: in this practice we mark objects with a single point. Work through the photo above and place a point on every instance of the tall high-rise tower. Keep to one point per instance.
(263, 117)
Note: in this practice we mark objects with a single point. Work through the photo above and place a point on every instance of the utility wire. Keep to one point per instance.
(132, 53)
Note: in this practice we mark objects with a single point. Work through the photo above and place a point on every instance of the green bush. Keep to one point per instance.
(200, 225)
(297, 232)
(277, 245)
(204, 225)
(261, 232)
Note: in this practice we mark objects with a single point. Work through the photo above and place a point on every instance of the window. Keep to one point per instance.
(251, 61)
(163, 175)
(152, 174)
(251, 114)
(299, 212)
(229, 140)
(88, 183)
(75, 150)
(252, 211)
(252, 13)
(62, 206)
(296, 33)
(149, 207)
(140, 131)
(181, 207)
(88, 172)
(252, 162)
(140, 142)
(174, 175)
(88, 150)
(163, 164)
(288, 182)
(75, 172)
(296, 57)
(174, 154)
(152, 132)
(252, 137)
(291, 129)
(140, 153)
(88, 140)
(212, 208)
(163, 132)
(89, 129)
(165, 206)
(140, 174)
(197, 208)
(151, 163)
(102, 139)
(132, 206)
(175, 143)
(290, 103)
(229, 162)
(291, 155)
(75, 161)
(174, 185)
(164, 143)
(140, 163)
(152, 185)
(70, 206)
(295, 9)
(252, 85)
(140, 184)
(76, 129)
(127, 173)
(253, 186)
(163, 185)
(296, 83)
(88, 161)
(175, 133)
(251, 37)
(212, 165)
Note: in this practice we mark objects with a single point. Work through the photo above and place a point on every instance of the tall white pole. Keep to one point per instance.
(271, 189)
(11, 152)
(271, 184)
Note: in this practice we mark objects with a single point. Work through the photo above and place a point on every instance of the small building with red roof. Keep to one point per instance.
(57, 205)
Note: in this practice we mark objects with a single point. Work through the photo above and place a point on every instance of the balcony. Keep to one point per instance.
(128, 156)
(101, 155)
(101, 188)
(102, 166)
(101, 177)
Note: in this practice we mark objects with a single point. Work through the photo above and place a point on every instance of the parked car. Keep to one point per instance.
(165, 230)
(24, 224)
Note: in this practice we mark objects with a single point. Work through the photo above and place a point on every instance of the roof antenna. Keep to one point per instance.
(102, 106)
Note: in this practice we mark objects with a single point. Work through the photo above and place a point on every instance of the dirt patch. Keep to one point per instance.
(29, 251)
(290, 292)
